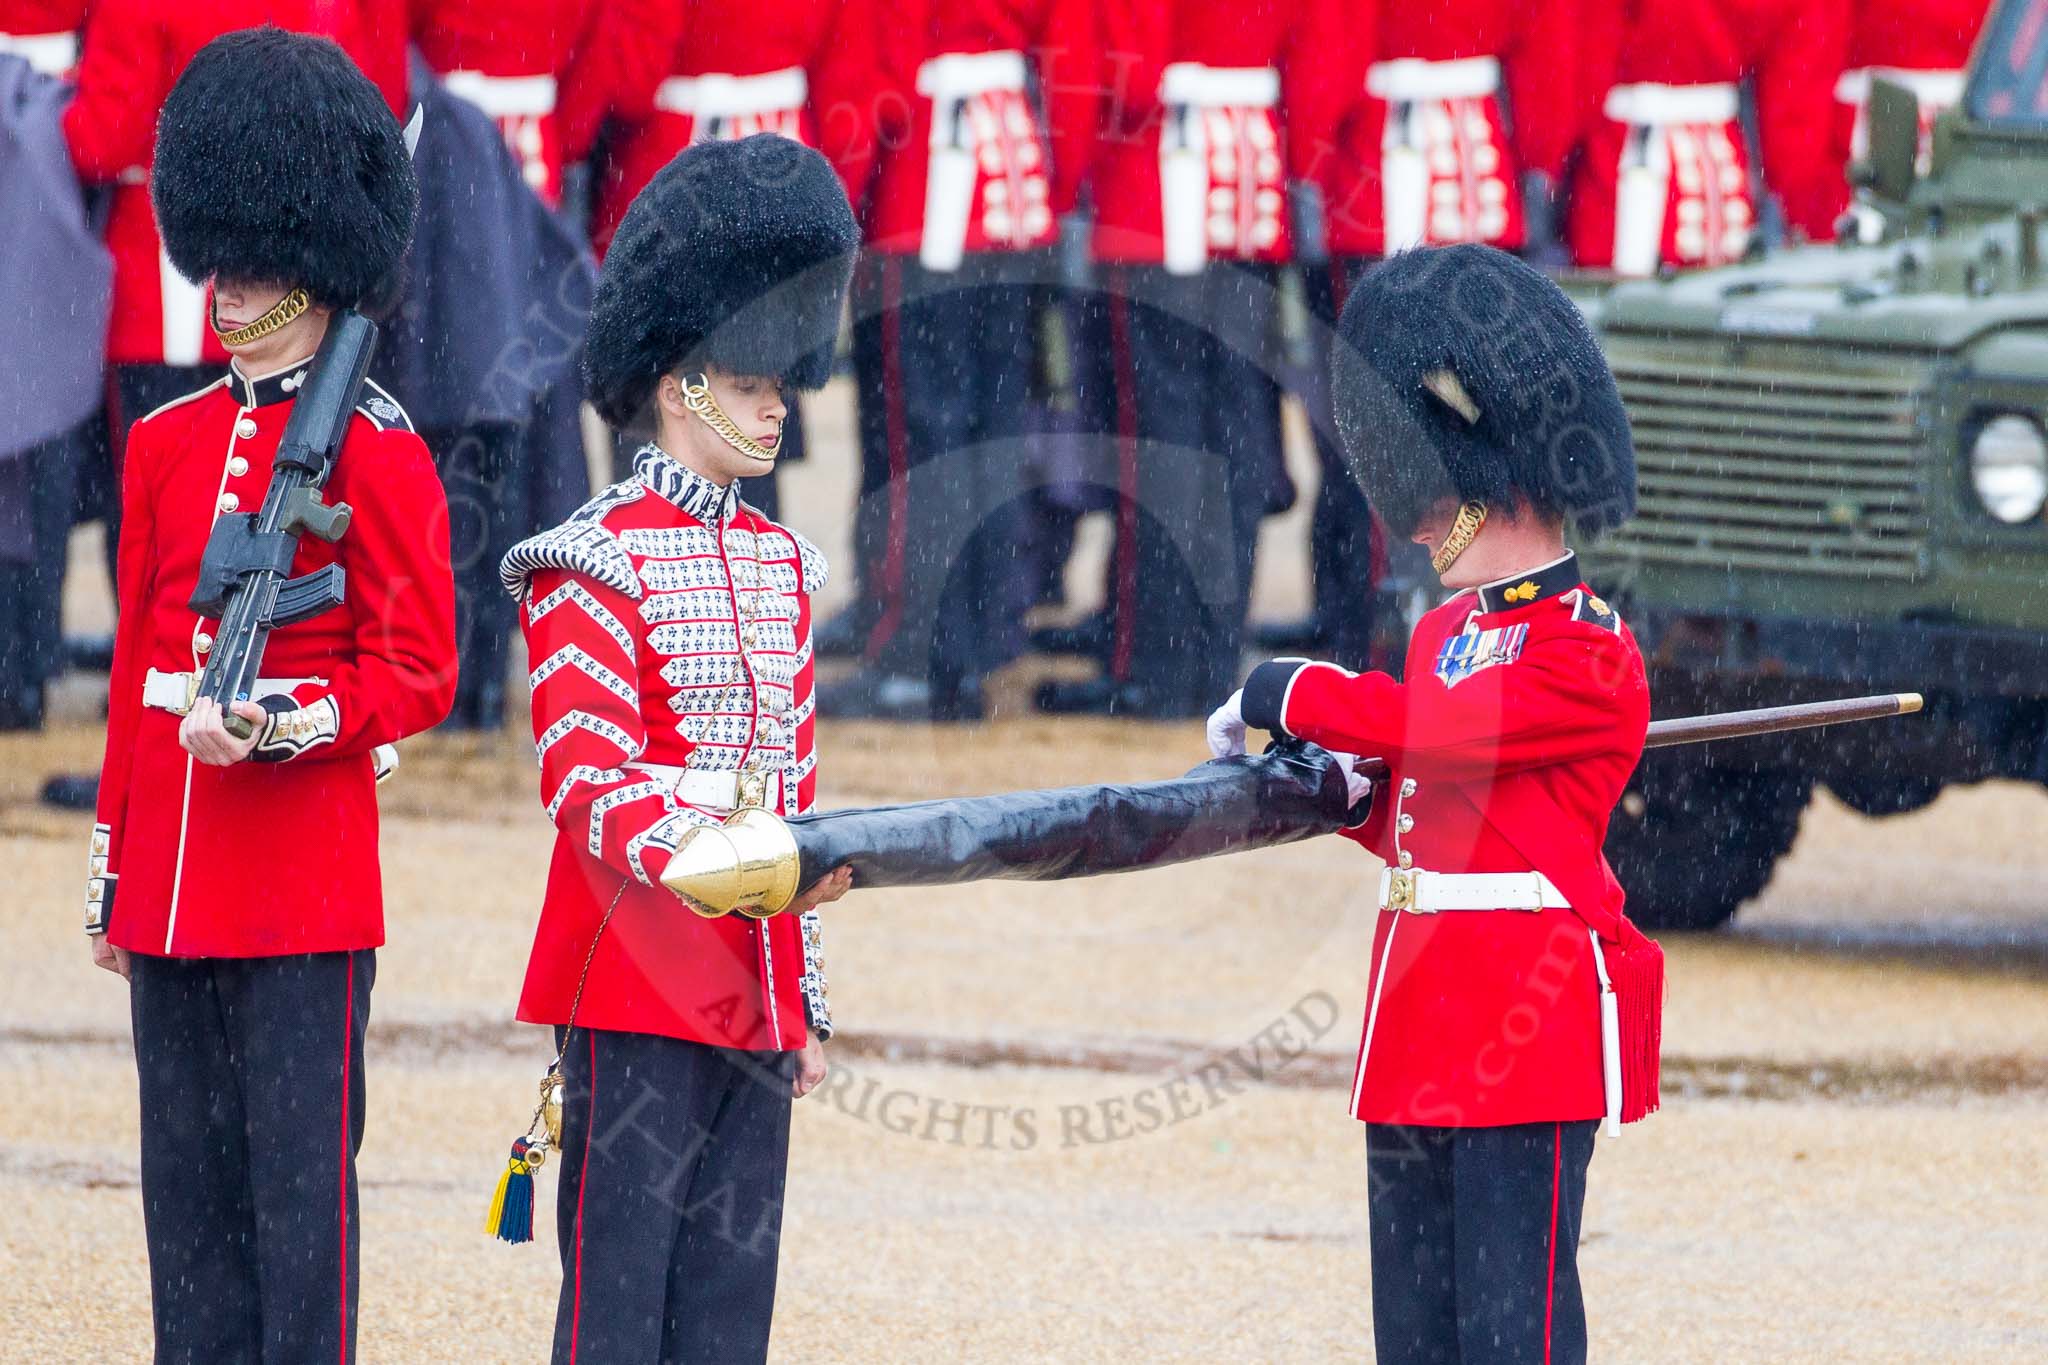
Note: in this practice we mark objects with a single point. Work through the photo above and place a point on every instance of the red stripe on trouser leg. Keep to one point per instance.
(582, 1193)
(895, 546)
(1125, 608)
(348, 1029)
(1550, 1287)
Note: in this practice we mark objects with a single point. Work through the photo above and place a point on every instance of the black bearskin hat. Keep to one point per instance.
(737, 254)
(1463, 372)
(278, 160)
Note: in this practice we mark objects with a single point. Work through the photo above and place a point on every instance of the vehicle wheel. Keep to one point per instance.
(1690, 842)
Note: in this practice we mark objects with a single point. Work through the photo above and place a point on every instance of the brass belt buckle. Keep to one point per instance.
(753, 790)
(1401, 890)
(191, 691)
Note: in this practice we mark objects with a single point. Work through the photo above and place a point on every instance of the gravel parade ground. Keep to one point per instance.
(1107, 1119)
(1073, 1123)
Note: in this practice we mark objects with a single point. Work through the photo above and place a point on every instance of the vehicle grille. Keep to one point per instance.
(1797, 463)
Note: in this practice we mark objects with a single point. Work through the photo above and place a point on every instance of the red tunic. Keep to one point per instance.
(761, 66)
(1664, 172)
(541, 68)
(1004, 175)
(1485, 1017)
(1242, 96)
(669, 632)
(44, 33)
(134, 52)
(1446, 166)
(264, 858)
(1922, 44)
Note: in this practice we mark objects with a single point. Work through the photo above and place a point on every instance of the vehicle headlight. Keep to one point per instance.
(2009, 468)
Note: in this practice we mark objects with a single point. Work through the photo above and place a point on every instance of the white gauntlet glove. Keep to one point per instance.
(1226, 727)
(1358, 785)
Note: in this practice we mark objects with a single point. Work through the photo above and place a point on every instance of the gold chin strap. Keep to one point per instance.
(280, 313)
(1464, 531)
(697, 398)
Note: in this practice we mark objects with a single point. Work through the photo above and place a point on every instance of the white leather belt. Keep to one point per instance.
(504, 96)
(1656, 105)
(962, 75)
(1425, 893)
(53, 54)
(1940, 89)
(1219, 87)
(1410, 79)
(717, 95)
(174, 691)
(726, 791)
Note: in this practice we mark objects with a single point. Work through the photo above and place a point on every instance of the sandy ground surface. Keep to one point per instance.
(1849, 1164)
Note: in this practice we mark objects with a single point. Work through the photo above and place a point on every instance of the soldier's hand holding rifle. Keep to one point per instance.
(204, 734)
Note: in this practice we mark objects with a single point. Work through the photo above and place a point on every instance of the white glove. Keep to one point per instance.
(1358, 785)
(1226, 727)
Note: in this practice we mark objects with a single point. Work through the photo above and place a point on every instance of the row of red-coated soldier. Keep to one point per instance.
(235, 881)
(1013, 373)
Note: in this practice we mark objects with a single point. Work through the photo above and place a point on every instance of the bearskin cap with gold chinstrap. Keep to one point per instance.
(737, 254)
(278, 161)
(1462, 372)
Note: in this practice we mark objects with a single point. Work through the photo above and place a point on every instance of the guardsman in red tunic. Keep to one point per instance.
(1923, 45)
(158, 343)
(1209, 111)
(249, 902)
(961, 129)
(729, 69)
(1507, 990)
(1458, 117)
(1664, 172)
(668, 625)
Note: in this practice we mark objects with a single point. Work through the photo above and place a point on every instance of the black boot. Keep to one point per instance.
(1088, 637)
(1106, 697)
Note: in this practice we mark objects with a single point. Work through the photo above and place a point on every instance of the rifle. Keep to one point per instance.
(245, 575)
(757, 862)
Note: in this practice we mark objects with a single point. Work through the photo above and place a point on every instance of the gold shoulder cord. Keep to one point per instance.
(1464, 531)
(697, 397)
(279, 313)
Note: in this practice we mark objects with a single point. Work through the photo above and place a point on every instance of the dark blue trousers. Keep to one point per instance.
(669, 1210)
(1176, 380)
(1341, 551)
(1475, 1238)
(942, 531)
(252, 1113)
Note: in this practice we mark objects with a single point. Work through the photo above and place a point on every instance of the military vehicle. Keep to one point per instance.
(1844, 481)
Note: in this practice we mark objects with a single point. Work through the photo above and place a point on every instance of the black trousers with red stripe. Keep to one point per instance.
(1475, 1238)
(1177, 375)
(669, 1211)
(1345, 563)
(942, 531)
(252, 1114)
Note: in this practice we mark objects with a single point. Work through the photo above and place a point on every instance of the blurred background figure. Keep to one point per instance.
(711, 71)
(1664, 173)
(1208, 110)
(1458, 120)
(158, 344)
(1920, 44)
(497, 288)
(55, 277)
(972, 122)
